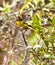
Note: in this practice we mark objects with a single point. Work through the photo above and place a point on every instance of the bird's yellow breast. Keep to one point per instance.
(21, 24)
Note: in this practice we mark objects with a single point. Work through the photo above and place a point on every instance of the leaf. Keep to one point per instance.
(53, 21)
(20, 60)
(35, 18)
(32, 38)
(6, 10)
(6, 7)
(53, 37)
(34, 61)
(15, 41)
(29, 47)
(14, 63)
(49, 56)
(36, 2)
(50, 4)
(35, 23)
(51, 29)
(26, 3)
(1, 8)
(46, 42)
(37, 46)
(6, 4)
(53, 1)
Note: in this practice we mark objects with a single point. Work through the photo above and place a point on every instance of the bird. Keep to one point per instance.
(21, 23)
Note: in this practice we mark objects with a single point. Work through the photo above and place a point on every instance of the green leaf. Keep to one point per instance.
(26, 3)
(46, 42)
(6, 10)
(35, 2)
(34, 61)
(50, 4)
(49, 56)
(35, 18)
(20, 60)
(35, 23)
(14, 63)
(15, 41)
(32, 38)
(53, 21)
(53, 38)
(53, 1)
(33, 44)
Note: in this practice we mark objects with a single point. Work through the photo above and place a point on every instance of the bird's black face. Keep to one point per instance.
(19, 18)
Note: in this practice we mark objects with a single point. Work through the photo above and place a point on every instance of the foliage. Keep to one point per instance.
(28, 39)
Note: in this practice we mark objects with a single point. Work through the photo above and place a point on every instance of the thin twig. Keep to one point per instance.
(24, 38)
